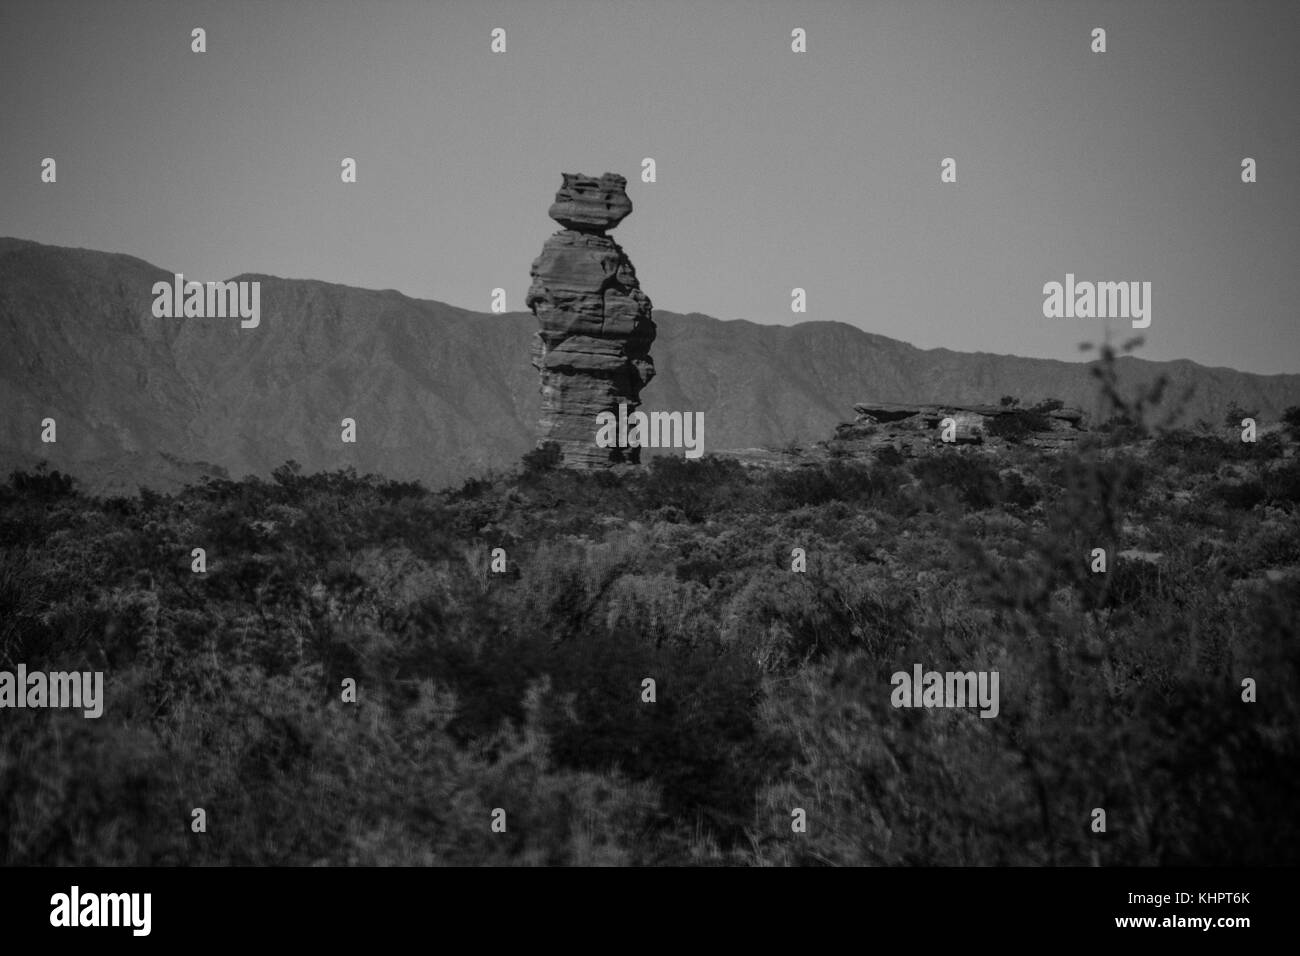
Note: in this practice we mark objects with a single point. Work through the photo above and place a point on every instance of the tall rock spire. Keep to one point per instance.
(593, 347)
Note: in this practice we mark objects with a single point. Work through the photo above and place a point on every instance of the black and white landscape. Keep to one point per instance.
(302, 564)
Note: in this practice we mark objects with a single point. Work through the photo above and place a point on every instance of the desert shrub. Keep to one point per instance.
(41, 484)
(1232, 418)
(699, 743)
(973, 480)
(1291, 422)
(859, 483)
(1120, 430)
(1282, 484)
(1018, 493)
(542, 459)
(833, 481)
(1278, 485)
(700, 487)
(800, 487)
(1201, 454)
(889, 457)
(1240, 495)
(1017, 425)
(704, 569)
(888, 787)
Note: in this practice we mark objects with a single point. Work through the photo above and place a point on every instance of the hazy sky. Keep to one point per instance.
(775, 169)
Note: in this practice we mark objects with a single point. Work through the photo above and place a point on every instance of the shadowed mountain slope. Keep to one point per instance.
(438, 393)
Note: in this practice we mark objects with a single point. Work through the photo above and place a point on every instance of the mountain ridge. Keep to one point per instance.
(439, 393)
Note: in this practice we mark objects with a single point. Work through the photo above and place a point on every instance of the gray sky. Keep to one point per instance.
(775, 169)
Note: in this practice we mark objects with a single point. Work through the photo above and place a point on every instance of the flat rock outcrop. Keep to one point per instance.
(592, 349)
(914, 428)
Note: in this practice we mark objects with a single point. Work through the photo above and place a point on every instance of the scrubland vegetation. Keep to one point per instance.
(523, 691)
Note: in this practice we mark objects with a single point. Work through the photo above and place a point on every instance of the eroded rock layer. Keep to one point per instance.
(912, 429)
(592, 349)
(589, 204)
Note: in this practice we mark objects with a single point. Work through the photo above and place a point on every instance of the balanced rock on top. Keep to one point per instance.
(589, 204)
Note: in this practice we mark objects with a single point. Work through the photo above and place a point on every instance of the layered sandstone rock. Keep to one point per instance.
(589, 204)
(913, 429)
(593, 347)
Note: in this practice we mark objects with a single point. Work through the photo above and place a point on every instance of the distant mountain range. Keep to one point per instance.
(438, 393)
